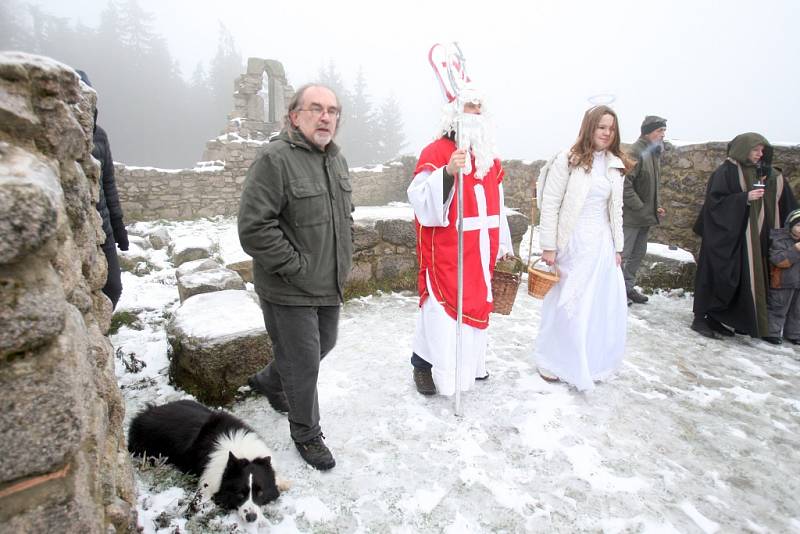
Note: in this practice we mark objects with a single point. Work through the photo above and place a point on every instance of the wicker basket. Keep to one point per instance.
(504, 291)
(540, 281)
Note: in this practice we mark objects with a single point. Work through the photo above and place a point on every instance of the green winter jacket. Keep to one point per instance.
(640, 199)
(295, 220)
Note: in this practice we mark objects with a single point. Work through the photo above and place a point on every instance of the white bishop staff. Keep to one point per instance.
(448, 64)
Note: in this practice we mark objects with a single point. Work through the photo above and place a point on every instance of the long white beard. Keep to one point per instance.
(477, 137)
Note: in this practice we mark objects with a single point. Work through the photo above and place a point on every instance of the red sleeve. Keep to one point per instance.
(435, 155)
(501, 172)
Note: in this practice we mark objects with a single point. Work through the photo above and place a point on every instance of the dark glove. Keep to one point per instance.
(122, 239)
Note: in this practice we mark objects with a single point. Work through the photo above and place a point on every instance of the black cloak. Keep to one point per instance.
(732, 271)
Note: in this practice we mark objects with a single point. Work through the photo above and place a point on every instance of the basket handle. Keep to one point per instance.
(533, 218)
(551, 268)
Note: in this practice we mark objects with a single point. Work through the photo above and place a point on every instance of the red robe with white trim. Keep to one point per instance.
(437, 246)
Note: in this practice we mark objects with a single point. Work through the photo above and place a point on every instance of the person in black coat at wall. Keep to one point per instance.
(109, 208)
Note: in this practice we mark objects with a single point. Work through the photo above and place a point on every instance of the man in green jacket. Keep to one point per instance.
(295, 220)
(640, 202)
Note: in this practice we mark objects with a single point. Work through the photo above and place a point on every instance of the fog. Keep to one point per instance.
(712, 69)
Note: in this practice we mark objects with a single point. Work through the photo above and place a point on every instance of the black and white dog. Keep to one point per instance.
(233, 463)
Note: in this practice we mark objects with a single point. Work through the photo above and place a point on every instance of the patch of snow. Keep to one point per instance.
(664, 251)
(219, 315)
(705, 524)
(676, 442)
(370, 168)
(395, 210)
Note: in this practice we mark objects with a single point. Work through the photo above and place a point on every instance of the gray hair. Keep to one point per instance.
(297, 100)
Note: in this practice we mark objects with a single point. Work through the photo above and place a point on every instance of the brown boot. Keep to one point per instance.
(423, 379)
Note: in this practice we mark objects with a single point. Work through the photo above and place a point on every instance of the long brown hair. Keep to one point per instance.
(582, 152)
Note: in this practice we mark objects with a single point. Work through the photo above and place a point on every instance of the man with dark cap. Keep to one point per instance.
(109, 207)
(640, 208)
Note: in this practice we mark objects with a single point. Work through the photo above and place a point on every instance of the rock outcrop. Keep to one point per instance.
(217, 340)
(64, 466)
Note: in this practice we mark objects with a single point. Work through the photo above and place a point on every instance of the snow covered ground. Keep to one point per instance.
(693, 435)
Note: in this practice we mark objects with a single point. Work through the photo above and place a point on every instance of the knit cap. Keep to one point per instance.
(792, 219)
(652, 123)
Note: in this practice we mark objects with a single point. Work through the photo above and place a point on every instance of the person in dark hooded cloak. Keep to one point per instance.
(745, 198)
(109, 207)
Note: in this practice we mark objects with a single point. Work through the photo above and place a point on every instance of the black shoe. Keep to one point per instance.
(484, 377)
(423, 379)
(718, 327)
(636, 297)
(316, 453)
(773, 340)
(793, 341)
(277, 399)
(700, 326)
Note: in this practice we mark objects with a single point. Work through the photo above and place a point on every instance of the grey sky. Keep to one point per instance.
(713, 69)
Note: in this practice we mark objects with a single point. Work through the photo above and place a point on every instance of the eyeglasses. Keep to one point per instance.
(318, 111)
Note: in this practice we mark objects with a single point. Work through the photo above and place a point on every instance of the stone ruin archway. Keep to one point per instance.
(260, 98)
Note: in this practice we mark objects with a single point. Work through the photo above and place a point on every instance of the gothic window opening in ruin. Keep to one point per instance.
(264, 94)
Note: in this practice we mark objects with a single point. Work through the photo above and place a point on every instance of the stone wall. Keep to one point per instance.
(685, 171)
(64, 466)
(214, 186)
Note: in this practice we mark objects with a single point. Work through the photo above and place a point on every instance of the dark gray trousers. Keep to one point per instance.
(301, 337)
(783, 312)
(633, 253)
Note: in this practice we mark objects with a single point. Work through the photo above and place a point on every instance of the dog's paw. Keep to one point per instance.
(283, 485)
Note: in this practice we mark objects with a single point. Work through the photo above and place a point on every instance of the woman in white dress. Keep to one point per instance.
(582, 332)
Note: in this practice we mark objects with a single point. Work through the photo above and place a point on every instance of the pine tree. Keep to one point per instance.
(225, 68)
(389, 124)
(14, 34)
(358, 132)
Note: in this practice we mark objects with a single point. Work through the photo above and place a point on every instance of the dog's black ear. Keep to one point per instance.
(264, 461)
(232, 460)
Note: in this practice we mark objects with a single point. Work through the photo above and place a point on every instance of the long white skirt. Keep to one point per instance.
(582, 331)
(435, 342)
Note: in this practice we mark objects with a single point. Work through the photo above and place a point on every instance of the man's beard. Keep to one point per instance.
(477, 135)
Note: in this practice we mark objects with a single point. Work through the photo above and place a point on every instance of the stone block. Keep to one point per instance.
(32, 307)
(365, 237)
(29, 190)
(208, 281)
(361, 273)
(244, 268)
(397, 232)
(141, 242)
(159, 238)
(129, 259)
(663, 268)
(53, 515)
(217, 341)
(518, 224)
(190, 248)
(204, 264)
(397, 272)
(17, 116)
(54, 382)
